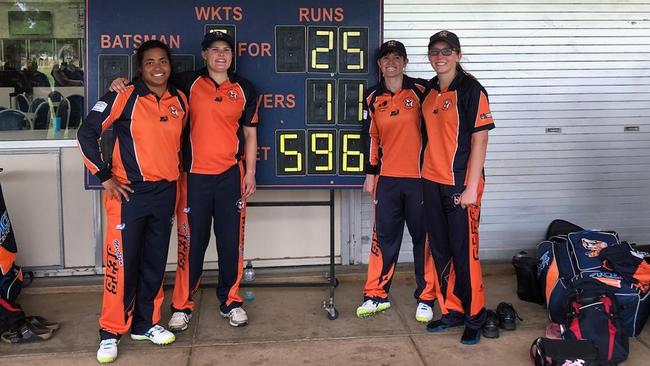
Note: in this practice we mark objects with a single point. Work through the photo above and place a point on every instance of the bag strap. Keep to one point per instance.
(536, 352)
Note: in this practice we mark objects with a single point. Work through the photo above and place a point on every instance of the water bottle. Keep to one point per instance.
(249, 273)
(249, 295)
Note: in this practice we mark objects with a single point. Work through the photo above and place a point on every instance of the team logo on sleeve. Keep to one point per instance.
(446, 104)
(232, 95)
(486, 115)
(174, 111)
(100, 106)
(408, 103)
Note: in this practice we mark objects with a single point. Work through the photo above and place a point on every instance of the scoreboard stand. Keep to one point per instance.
(331, 282)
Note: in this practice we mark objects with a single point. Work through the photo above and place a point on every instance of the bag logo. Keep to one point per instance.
(544, 261)
(593, 246)
(5, 227)
(607, 278)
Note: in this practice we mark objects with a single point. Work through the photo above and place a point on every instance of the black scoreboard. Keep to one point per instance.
(310, 62)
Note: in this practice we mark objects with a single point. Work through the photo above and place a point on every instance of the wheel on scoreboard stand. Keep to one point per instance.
(332, 313)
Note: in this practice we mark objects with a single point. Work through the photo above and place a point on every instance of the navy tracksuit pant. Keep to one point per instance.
(399, 200)
(454, 237)
(135, 256)
(208, 199)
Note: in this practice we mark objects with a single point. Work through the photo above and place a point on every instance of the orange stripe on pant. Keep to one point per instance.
(233, 294)
(476, 276)
(448, 302)
(375, 283)
(430, 291)
(182, 295)
(113, 317)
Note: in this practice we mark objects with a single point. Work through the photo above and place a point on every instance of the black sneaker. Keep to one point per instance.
(470, 336)
(491, 326)
(507, 316)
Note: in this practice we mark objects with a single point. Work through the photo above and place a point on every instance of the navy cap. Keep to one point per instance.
(392, 46)
(445, 36)
(212, 37)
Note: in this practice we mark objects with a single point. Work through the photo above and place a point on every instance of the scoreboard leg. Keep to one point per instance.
(328, 305)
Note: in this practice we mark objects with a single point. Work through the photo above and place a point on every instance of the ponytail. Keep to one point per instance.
(460, 69)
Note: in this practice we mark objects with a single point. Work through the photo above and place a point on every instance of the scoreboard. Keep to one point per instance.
(310, 62)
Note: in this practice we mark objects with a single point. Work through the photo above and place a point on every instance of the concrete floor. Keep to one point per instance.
(288, 327)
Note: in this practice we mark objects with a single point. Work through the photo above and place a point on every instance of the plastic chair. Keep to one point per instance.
(22, 103)
(63, 112)
(35, 103)
(13, 120)
(42, 117)
(55, 96)
(76, 110)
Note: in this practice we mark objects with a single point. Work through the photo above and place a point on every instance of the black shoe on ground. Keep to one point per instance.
(491, 327)
(470, 336)
(507, 316)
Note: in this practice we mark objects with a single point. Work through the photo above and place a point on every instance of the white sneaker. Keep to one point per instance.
(157, 335)
(424, 313)
(107, 351)
(371, 307)
(179, 321)
(237, 316)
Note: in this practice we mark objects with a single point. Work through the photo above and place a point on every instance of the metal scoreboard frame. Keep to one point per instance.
(310, 62)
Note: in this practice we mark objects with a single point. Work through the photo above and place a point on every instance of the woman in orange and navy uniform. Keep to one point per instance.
(393, 144)
(219, 159)
(140, 194)
(457, 118)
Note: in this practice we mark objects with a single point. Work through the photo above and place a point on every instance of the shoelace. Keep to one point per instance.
(180, 315)
(423, 306)
(108, 343)
(236, 311)
(155, 330)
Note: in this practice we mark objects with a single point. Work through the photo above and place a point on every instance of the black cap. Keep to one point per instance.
(212, 37)
(392, 46)
(445, 36)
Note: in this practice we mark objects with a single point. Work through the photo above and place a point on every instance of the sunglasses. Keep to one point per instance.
(444, 51)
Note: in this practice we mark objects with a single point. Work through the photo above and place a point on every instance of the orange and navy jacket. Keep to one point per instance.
(214, 140)
(146, 131)
(392, 129)
(628, 263)
(451, 117)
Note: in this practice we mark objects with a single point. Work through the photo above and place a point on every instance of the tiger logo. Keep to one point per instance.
(593, 246)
